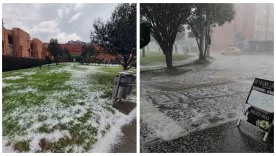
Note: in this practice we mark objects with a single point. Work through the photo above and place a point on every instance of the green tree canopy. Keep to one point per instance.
(203, 17)
(166, 20)
(117, 36)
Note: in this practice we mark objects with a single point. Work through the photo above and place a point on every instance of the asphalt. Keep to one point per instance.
(128, 141)
(225, 138)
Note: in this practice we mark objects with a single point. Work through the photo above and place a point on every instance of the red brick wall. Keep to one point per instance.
(5, 43)
(21, 42)
(44, 49)
(74, 49)
(37, 48)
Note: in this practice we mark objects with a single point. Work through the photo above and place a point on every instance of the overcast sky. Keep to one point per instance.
(62, 21)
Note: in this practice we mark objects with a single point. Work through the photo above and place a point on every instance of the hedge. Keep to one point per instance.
(15, 62)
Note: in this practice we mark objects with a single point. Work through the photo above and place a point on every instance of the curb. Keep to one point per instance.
(188, 62)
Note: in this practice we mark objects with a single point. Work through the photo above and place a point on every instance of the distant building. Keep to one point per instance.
(77, 42)
(74, 49)
(253, 24)
(17, 42)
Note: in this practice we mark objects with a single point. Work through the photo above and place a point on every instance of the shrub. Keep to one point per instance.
(15, 62)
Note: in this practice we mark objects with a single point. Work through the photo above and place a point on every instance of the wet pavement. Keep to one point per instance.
(226, 138)
(128, 140)
(177, 106)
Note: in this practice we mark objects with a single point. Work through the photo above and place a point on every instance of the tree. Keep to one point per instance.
(54, 49)
(84, 52)
(117, 36)
(67, 54)
(166, 19)
(89, 51)
(207, 15)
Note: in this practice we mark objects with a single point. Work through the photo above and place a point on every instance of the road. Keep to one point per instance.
(174, 107)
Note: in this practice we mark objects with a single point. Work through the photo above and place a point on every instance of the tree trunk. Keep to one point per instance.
(143, 51)
(168, 56)
(169, 61)
(201, 47)
(148, 48)
(202, 44)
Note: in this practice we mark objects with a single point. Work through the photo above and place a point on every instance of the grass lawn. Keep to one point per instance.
(64, 108)
(152, 58)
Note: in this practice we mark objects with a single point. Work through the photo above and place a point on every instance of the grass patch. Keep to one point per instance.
(42, 82)
(71, 98)
(81, 135)
(39, 88)
(154, 57)
(42, 118)
(45, 129)
(22, 146)
(108, 108)
(78, 68)
(11, 127)
(85, 117)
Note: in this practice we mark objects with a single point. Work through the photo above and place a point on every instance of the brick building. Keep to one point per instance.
(5, 43)
(74, 49)
(15, 42)
(253, 23)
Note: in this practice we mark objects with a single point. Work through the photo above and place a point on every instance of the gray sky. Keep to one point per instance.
(62, 21)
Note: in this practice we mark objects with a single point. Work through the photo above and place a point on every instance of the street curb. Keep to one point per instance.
(158, 68)
(187, 63)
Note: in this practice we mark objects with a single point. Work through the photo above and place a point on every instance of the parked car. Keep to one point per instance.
(231, 51)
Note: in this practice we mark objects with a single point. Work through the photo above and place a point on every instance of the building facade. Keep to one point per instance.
(253, 24)
(17, 42)
(74, 49)
(36, 48)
